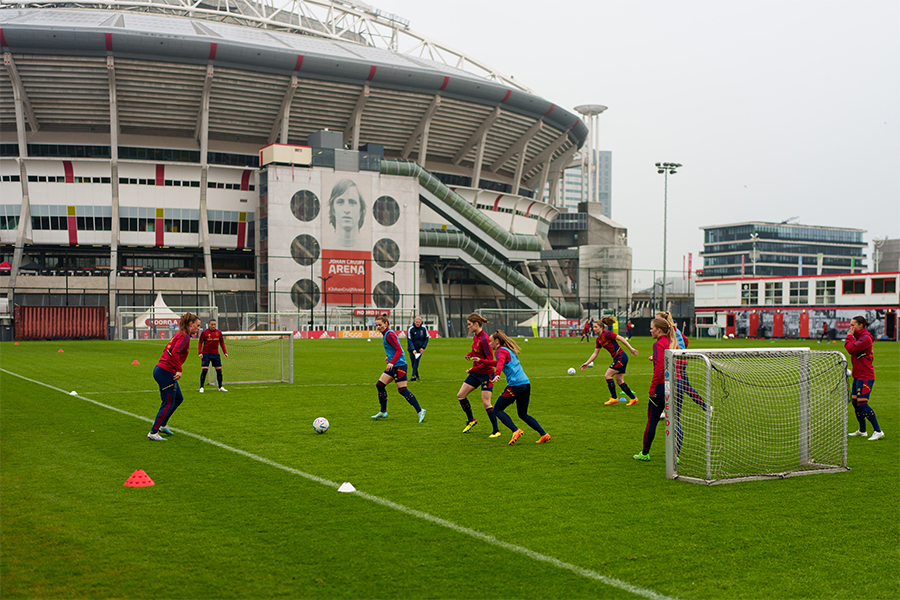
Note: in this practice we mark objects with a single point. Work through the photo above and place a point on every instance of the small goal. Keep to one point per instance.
(258, 357)
(745, 414)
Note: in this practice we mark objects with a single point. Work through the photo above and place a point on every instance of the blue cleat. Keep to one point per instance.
(166, 431)
(421, 415)
(381, 415)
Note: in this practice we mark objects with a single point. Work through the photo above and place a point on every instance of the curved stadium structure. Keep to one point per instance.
(131, 137)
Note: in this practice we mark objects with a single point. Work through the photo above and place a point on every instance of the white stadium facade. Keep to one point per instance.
(308, 157)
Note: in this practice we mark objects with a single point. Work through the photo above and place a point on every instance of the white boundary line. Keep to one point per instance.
(587, 573)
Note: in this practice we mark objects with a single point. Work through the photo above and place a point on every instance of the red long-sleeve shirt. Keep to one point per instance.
(859, 346)
(175, 353)
(659, 362)
(210, 340)
(481, 347)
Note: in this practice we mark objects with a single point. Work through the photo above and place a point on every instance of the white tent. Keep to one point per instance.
(543, 318)
(162, 316)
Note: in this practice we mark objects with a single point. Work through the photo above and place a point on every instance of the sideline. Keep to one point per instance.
(587, 573)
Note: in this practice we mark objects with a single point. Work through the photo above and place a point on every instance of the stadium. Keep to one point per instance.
(131, 136)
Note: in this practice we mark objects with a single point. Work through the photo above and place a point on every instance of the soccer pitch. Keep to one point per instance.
(246, 503)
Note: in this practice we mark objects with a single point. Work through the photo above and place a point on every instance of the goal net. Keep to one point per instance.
(734, 415)
(257, 357)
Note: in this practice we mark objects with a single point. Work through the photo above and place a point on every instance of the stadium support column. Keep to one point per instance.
(478, 138)
(23, 112)
(114, 181)
(519, 146)
(282, 122)
(351, 131)
(421, 131)
(203, 127)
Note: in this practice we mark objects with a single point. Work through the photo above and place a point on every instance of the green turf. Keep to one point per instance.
(220, 524)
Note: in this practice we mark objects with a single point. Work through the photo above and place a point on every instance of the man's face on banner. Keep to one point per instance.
(346, 212)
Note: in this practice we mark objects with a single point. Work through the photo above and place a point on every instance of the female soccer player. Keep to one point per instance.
(859, 346)
(586, 331)
(208, 348)
(682, 383)
(616, 371)
(665, 339)
(168, 371)
(518, 387)
(395, 370)
(479, 375)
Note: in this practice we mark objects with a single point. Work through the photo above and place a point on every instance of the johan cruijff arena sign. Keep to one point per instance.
(351, 235)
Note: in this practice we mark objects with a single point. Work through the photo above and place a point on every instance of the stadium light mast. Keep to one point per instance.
(275, 293)
(665, 169)
(590, 112)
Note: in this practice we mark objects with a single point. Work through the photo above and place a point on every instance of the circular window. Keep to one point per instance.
(305, 294)
(386, 253)
(385, 295)
(305, 205)
(305, 250)
(386, 211)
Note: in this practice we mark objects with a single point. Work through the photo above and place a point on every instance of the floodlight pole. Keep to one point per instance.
(665, 169)
(274, 294)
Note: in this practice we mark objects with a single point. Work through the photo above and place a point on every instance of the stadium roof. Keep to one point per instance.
(170, 58)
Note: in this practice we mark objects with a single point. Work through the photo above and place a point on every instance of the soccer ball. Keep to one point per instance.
(849, 373)
(571, 370)
(591, 364)
(320, 425)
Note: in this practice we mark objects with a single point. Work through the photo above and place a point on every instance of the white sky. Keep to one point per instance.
(776, 109)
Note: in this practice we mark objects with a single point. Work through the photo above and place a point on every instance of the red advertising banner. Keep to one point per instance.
(349, 280)
(371, 312)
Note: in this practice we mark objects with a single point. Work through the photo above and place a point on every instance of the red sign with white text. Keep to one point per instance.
(349, 279)
(370, 312)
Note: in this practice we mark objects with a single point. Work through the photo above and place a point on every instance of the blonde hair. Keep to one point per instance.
(506, 341)
(667, 328)
(668, 317)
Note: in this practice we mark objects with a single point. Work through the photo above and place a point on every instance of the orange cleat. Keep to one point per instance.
(611, 401)
(516, 435)
(544, 439)
(632, 402)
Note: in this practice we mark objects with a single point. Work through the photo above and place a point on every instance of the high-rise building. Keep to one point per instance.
(573, 189)
(763, 249)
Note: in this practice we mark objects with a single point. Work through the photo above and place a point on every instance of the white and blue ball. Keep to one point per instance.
(571, 371)
(320, 425)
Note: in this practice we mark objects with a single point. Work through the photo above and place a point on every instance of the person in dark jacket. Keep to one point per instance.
(416, 340)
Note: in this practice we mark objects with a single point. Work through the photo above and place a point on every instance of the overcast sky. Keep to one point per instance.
(776, 109)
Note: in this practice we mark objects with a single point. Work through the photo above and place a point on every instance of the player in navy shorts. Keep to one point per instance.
(395, 371)
(479, 375)
(167, 373)
(210, 340)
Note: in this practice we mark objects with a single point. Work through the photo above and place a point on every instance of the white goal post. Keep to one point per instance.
(257, 357)
(744, 414)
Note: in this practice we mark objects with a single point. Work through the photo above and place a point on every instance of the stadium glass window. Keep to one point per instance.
(884, 286)
(825, 292)
(799, 293)
(749, 294)
(774, 293)
(854, 286)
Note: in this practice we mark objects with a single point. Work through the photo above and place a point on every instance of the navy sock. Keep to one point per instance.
(505, 419)
(410, 398)
(870, 415)
(464, 403)
(532, 422)
(493, 418)
(611, 384)
(202, 377)
(382, 396)
(219, 376)
(627, 390)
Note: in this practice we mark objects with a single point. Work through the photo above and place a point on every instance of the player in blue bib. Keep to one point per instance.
(395, 370)
(518, 386)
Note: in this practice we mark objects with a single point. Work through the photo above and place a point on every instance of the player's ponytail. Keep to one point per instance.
(608, 320)
(505, 341)
(861, 320)
(383, 318)
(668, 317)
(476, 318)
(185, 322)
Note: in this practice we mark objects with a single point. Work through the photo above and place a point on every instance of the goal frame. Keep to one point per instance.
(804, 400)
(287, 366)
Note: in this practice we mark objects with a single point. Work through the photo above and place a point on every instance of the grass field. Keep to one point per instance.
(246, 504)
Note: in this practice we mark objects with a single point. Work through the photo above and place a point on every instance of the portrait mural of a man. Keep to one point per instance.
(347, 237)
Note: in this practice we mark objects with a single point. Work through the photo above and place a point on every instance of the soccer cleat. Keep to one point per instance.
(381, 415)
(632, 402)
(166, 431)
(221, 389)
(470, 425)
(516, 435)
(641, 457)
(611, 401)
(857, 434)
(496, 434)
(155, 437)
(201, 390)
(421, 415)
(544, 439)
(876, 436)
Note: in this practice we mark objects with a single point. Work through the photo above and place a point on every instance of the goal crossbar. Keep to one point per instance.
(258, 357)
(749, 414)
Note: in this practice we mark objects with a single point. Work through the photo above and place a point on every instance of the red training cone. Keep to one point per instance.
(60, 350)
(16, 344)
(135, 363)
(139, 479)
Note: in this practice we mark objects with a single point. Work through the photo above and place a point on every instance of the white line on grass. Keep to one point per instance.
(588, 573)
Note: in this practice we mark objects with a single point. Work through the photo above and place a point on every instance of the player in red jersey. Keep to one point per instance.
(665, 339)
(616, 371)
(208, 347)
(168, 371)
(395, 371)
(859, 346)
(480, 375)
